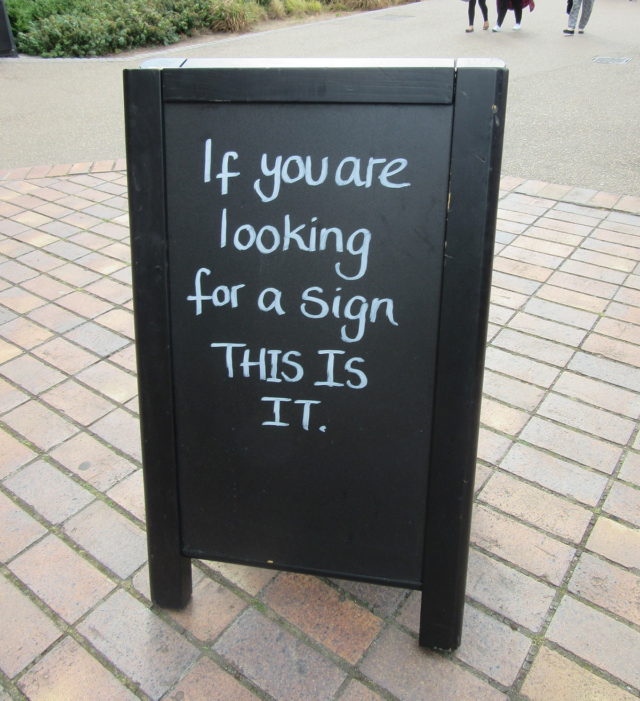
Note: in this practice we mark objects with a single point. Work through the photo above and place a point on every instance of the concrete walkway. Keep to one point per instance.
(553, 607)
(569, 120)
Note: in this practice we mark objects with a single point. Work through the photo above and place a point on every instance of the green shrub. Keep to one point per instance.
(54, 28)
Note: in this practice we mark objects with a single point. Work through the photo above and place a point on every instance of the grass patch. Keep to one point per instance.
(75, 28)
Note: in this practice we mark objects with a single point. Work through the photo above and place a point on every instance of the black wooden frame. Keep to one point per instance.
(7, 44)
(478, 91)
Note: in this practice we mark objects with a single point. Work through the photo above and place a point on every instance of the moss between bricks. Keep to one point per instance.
(76, 28)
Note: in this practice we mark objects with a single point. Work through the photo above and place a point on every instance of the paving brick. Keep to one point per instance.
(58, 228)
(499, 315)
(608, 233)
(123, 552)
(409, 614)
(37, 238)
(249, 579)
(555, 678)
(80, 219)
(611, 348)
(51, 493)
(623, 502)
(491, 446)
(560, 313)
(69, 672)
(97, 339)
(541, 244)
(633, 281)
(589, 419)
(525, 369)
(123, 275)
(276, 661)
(413, 674)
(5, 314)
(92, 461)
(129, 494)
(47, 287)
(508, 592)
(319, 611)
(118, 320)
(624, 312)
(507, 298)
(14, 453)
(100, 264)
(118, 250)
(210, 610)
(383, 600)
(482, 475)
(535, 348)
(599, 639)
(630, 471)
(511, 391)
(593, 272)
(615, 542)
(110, 380)
(91, 241)
(520, 269)
(523, 546)
(18, 529)
(31, 374)
(502, 418)
(207, 681)
(359, 692)
(61, 578)
(570, 444)
(8, 351)
(19, 300)
(612, 249)
(10, 397)
(126, 358)
(41, 261)
(572, 212)
(75, 401)
(16, 272)
(599, 394)
(77, 277)
(66, 250)
(608, 586)
(571, 298)
(491, 646)
(55, 318)
(84, 304)
(111, 230)
(65, 356)
(140, 579)
(137, 642)
(531, 257)
(603, 369)
(121, 430)
(623, 265)
(39, 425)
(513, 283)
(25, 632)
(554, 234)
(554, 474)
(111, 291)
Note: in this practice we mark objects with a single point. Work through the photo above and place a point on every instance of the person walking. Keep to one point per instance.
(472, 14)
(587, 6)
(516, 6)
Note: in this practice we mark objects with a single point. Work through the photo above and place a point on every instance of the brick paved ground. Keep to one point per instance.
(553, 606)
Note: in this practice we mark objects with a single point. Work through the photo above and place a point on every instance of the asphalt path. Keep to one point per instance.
(570, 120)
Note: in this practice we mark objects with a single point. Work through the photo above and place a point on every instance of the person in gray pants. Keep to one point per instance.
(587, 6)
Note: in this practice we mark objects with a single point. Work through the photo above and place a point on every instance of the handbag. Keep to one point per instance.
(569, 6)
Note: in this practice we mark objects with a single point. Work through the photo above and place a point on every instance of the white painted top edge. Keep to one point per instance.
(480, 63)
(305, 63)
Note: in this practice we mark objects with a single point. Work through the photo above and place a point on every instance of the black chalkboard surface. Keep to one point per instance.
(312, 257)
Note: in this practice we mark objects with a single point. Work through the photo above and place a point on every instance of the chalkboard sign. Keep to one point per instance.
(7, 45)
(312, 250)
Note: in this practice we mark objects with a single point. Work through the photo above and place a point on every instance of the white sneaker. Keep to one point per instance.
(496, 28)
(516, 27)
